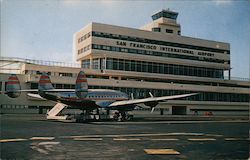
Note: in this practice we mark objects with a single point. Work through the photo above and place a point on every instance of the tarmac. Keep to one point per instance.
(31, 136)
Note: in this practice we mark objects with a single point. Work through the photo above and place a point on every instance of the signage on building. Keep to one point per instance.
(164, 49)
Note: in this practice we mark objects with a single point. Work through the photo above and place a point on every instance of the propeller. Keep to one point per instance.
(151, 95)
(152, 109)
(132, 96)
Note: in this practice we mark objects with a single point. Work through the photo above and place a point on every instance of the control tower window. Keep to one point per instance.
(179, 32)
(169, 30)
(156, 29)
(165, 14)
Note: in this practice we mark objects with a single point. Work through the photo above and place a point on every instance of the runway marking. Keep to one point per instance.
(165, 139)
(202, 139)
(162, 151)
(12, 140)
(49, 147)
(40, 150)
(43, 147)
(214, 135)
(135, 135)
(42, 138)
(48, 143)
(173, 122)
(126, 139)
(88, 139)
(236, 139)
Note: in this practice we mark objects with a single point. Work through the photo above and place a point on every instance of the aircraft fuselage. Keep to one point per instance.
(95, 98)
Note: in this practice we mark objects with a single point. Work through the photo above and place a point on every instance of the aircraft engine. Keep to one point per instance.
(13, 87)
(151, 104)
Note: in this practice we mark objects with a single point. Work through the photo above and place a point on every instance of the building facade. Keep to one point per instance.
(155, 58)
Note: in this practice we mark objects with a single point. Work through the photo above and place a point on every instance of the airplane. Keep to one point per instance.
(83, 98)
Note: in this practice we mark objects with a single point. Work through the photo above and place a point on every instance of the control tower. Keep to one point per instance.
(164, 21)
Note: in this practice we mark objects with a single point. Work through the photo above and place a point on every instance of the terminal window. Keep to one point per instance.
(156, 29)
(66, 74)
(151, 67)
(169, 31)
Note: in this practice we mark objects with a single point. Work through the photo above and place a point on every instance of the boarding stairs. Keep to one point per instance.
(53, 113)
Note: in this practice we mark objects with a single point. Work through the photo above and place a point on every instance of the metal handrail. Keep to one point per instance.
(40, 62)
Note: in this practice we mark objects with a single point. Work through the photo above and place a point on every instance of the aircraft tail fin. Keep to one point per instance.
(44, 82)
(13, 86)
(81, 88)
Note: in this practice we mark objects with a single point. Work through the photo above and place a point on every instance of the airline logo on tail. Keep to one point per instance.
(44, 83)
(81, 88)
(13, 86)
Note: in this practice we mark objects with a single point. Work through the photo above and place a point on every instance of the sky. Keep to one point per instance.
(43, 29)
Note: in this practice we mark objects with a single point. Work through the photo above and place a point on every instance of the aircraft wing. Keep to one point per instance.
(59, 90)
(49, 90)
(150, 99)
(35, 96)
(23, 90)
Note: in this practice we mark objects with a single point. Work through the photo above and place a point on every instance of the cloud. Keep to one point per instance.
(71, 2)
(223, 2)
(108, 2)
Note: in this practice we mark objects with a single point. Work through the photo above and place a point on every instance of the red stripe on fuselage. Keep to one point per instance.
(13, 78)
(81, 80)
(81, 76)
(44, 81)
(44, 77)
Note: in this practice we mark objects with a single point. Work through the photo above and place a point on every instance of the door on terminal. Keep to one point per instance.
(179, 110)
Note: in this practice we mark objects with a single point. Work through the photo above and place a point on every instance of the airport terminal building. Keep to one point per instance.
(155, 58)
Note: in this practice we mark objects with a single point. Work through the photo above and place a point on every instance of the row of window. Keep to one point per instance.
(105, 96)
(157, 42)
(100, 64)
(82, 38)
(11, 106)
(61, 74)
(157, 29)
(165, 15)
(84, 49)
(151, 67)
(97, 63)
(86, 63)
(66, 74)
(55, 85)
(153, 53)
(170, 31)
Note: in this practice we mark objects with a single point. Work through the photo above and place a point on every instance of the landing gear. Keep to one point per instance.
(116, 116)
(88, 115)
(98, 115)
(122, 116)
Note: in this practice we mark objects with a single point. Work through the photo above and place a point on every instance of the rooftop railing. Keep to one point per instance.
(38, 62)
(237, 78)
